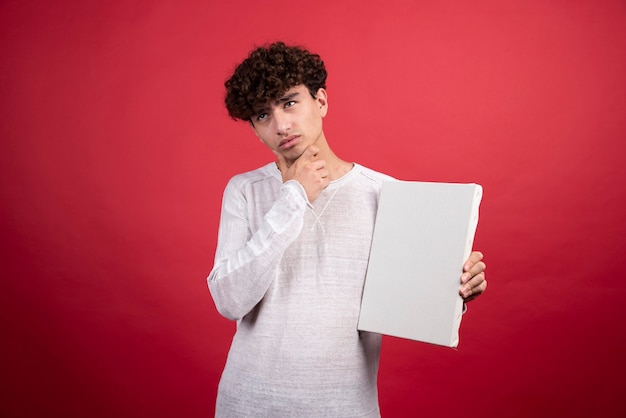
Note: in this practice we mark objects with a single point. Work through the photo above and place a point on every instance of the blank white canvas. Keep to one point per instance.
(423, 234)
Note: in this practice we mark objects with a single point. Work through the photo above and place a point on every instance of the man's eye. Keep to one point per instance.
(261, 117)
(290, 103)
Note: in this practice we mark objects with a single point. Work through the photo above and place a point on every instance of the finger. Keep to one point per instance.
(474, 257)
(317, 165)
(475, 270)
(474, 287)
(472, 266)
(478, 290)
(477, 280)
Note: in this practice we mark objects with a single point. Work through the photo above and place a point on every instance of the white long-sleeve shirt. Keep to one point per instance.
(291, 273)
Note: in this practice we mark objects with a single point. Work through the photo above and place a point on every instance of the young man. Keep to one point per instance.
(292, 252)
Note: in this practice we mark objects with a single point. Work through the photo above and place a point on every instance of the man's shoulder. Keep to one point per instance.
(261, 174)
(373, 175)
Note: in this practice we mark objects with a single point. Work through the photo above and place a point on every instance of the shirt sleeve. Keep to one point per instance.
(246, 261)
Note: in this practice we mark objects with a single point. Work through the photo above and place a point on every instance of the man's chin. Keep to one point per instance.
(292, 155)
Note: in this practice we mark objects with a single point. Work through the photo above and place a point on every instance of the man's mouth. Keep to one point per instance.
(287, 142)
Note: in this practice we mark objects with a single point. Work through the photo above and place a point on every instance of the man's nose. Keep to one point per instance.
(282, 122)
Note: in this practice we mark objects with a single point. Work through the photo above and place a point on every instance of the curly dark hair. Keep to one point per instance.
(267, 73)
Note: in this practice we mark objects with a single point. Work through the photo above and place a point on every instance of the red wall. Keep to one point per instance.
(115, 149)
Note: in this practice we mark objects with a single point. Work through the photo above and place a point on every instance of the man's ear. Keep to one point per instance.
(321, 97)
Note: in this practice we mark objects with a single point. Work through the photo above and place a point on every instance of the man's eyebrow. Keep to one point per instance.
(286, 98)
(276, 102)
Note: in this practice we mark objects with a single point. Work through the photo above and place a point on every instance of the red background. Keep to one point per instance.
(115, 149)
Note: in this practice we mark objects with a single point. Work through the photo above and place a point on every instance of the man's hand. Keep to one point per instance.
(307, 170)
(473, 282)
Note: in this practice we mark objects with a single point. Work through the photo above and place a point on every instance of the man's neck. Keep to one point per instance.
(337, 167)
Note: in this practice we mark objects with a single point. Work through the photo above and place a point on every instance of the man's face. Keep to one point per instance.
(291, 123)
